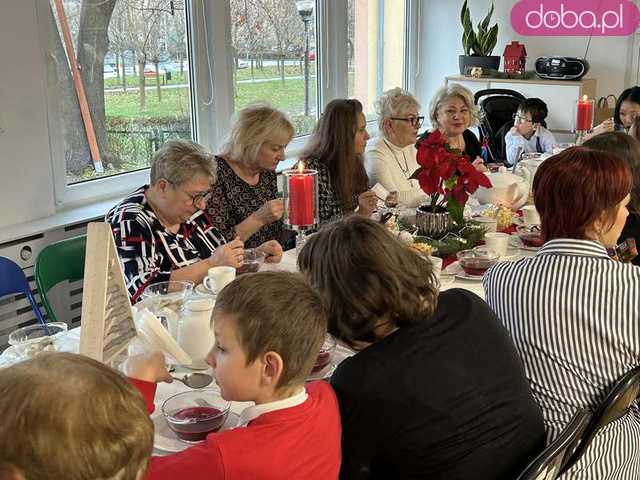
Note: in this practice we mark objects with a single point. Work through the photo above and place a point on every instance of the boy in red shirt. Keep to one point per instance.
(269, 328)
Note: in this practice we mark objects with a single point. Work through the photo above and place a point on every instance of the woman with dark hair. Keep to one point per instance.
(436, 389)
(573, 311)
(627, 108)
(627, 148)
(336, 150)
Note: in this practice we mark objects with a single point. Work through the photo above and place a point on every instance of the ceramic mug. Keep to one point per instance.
(218, 277)
(490, 224)
(530, 215)
(498, 242)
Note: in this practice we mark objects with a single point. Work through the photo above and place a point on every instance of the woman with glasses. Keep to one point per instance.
(452, 111)
(392, 160)
(160, 230)
(336, 150)
(243, 201)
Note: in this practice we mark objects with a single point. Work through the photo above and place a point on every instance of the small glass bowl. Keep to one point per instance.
(477, 260)
(34, 339)
(253, 259)
(194, 414)
(530, 236)
(325, 354)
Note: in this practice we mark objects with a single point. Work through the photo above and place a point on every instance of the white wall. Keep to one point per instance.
(26, 189)
(609, 57)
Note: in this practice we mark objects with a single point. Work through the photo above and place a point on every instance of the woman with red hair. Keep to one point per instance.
(572, 311)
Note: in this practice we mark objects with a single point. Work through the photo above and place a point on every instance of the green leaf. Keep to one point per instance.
(492, 39)
(487, 19)
(463, 11)
(451, 182)
(456, 210)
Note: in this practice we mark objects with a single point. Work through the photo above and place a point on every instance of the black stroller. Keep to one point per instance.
(497, 108)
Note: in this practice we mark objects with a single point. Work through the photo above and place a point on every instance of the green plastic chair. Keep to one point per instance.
(60, 261)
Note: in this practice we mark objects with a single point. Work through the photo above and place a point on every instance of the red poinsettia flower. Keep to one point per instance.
(446, 175)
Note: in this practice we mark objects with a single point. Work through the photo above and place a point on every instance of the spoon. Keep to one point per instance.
(195, 379)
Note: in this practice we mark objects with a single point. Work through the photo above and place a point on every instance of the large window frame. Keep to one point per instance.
(210, 64)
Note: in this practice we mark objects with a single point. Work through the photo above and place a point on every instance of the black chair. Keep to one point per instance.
(615, 405)
(497, 107)
(548, 465)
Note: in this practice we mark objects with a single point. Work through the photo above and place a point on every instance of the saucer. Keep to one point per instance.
(457, 271)
(515, 241)
(166, 439)
(202, 290)
(323, 374)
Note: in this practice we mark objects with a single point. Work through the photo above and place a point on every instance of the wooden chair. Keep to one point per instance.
(60, 261)
(552, 460)
(615, 405)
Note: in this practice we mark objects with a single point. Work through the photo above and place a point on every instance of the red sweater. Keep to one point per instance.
(301, 442)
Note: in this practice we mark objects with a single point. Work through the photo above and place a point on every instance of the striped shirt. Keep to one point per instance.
(574, 316)
(148, 251)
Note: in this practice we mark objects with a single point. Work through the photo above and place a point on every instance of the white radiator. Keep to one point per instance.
(65, 298)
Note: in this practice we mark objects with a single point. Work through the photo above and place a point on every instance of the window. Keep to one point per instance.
(132, 59)
(270, 39)
(375, 49)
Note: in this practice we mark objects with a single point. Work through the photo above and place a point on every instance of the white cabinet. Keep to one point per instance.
(560, 96)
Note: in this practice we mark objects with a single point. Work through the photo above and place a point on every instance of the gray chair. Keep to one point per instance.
(553, 459)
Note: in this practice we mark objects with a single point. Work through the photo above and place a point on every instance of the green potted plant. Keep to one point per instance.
(478, 46)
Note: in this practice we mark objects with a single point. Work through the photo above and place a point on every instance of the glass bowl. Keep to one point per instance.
(34, 339)
(325, 354)
(253, 259)
(530, 236)
(477, 260)
(194, 414)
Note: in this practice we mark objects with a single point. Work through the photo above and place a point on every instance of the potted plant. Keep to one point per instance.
(478, 46)
(448, 177)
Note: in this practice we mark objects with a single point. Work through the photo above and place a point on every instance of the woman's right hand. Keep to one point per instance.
(270, 211)
(230, 254)
(367, 202)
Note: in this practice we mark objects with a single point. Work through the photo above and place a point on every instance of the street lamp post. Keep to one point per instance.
(305, 9)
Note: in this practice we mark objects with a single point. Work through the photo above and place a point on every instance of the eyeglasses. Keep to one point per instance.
(414, 121)
(197, 198)
(520, 119)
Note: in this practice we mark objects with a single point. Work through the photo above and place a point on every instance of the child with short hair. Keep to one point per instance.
(269, 328)
(527, 134)
(70, 417)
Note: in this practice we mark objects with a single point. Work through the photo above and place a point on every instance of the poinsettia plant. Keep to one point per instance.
(446, 175)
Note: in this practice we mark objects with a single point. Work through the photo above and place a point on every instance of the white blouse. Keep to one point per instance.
(391, 167)
(574, 315)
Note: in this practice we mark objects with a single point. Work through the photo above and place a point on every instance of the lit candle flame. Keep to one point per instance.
(585, 98)
(300, 166)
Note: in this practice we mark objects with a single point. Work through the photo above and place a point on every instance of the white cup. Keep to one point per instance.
(437, 266)
(530, 215)
(218, 277)
(498, 242)
(490, 224)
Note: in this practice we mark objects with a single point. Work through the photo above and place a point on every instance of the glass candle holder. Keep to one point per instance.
(300, 198)
(584, 110)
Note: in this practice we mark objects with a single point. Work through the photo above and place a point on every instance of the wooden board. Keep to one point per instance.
(107, 318)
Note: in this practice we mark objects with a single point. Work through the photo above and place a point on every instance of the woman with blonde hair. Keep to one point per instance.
(452, 111)
(336, 150)
(392, 159)
(243, 201)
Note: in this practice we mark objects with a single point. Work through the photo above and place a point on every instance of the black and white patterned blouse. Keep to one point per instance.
(329, 204)
(233, 200)
(574, 315)
(148, 251)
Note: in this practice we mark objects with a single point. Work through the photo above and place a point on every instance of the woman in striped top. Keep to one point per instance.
(573, 313)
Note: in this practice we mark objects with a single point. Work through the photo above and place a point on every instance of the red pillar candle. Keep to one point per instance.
(584, 114)
(301, 199)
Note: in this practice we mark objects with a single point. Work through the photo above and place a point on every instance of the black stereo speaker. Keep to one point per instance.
(561, 68)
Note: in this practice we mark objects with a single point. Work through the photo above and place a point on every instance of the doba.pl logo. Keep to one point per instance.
(575, 17)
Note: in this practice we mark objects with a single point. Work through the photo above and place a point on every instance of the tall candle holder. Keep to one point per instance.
(301, 201)
(584, 111)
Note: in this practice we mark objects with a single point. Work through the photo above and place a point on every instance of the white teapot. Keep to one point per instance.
(527, 167)
(508, 189)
